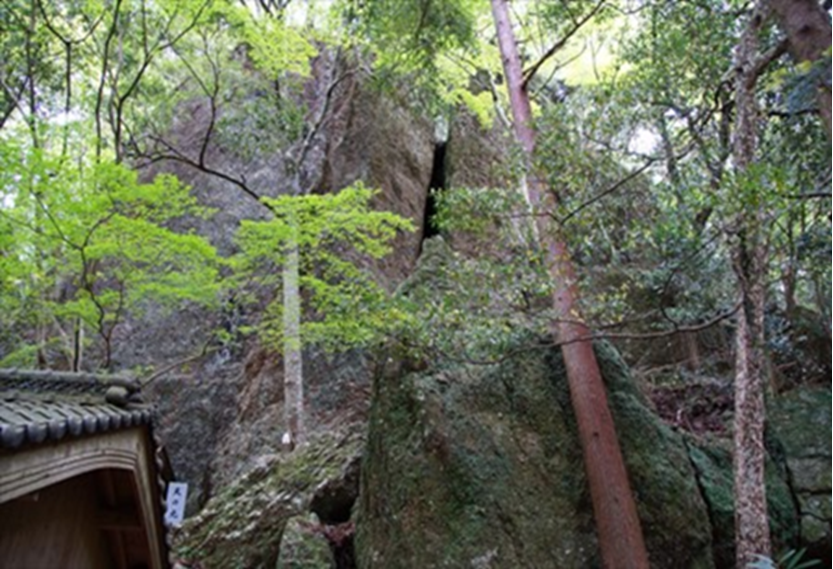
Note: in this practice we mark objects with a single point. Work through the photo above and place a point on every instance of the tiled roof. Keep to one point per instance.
(39, 406)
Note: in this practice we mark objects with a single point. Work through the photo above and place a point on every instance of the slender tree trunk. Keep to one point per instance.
(807, 27)
(788, 273)
(77, 344)
(750, 255)
(293, 369)
(619, 531)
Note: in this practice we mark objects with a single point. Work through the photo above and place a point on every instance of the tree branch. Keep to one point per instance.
(607, 191)
(175, 155)
(687, 329)
(157, 374)
(768, 57)
(530, 72)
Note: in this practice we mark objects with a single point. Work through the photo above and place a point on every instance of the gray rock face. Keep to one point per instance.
(264, 518)
(481, 467)
(193, 413)
(800, 423)
(221, 413)
(337, 393)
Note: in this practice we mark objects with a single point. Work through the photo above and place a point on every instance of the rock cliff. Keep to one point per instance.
(481, 467)
(221, 412)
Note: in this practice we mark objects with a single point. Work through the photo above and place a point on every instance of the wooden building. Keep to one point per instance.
(81, 478)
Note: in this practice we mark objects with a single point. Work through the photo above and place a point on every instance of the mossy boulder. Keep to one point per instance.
(246, 524)
(480, 466)
(713, 464)
(303, 546)
(800, 424)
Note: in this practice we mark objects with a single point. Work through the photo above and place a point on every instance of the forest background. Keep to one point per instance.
(678, 215)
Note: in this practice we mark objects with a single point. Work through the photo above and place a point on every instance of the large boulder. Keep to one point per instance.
(480, 466)
(303, 545)
(798, 484)
(800, 423)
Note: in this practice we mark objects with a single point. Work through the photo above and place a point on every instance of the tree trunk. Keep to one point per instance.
(293, 369)
(620, 535)
(77, 344)
(807, 27)
(751, 518)
(750, 255)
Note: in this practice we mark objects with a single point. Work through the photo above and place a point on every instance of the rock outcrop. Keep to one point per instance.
(713, 466)
(481, 467)
(231, 401)
(280, 513)
(799, 425)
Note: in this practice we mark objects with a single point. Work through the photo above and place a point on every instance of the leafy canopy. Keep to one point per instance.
(100, 237)
(335, 234)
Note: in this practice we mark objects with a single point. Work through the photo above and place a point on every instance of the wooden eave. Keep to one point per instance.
(57, 426)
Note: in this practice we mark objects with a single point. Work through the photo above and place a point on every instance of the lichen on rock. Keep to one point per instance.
(303, 546)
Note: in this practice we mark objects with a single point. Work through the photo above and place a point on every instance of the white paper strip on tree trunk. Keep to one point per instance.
(175, 512)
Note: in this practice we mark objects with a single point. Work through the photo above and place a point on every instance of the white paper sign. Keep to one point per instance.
(177, 492)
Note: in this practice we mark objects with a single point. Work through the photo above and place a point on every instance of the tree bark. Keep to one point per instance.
(807, 27)
(750, 255)
(620, 535)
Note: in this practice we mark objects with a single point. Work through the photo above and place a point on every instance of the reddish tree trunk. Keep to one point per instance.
(807, 28)
(617, 523)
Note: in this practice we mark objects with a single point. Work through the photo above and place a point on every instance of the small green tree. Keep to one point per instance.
(319, 241)
(92, 245)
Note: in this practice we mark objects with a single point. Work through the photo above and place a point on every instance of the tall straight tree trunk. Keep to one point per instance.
(293, 369)
(807, 27)
(77, 344)
(620, 535)
(750, 255)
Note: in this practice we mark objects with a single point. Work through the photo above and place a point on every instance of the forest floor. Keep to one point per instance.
(699, 408)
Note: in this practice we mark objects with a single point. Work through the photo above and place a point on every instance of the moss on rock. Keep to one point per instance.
(303, 547)
(800, 423)
(481, 467)
(244, 525)
(713, 463)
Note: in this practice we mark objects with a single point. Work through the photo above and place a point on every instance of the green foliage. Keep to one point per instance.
(275, 47)
(478, 211)
(94, 243)
(335, 234)
(81, 237)
(410, 34)
(476, 306)
(792, 559)
(431, 48)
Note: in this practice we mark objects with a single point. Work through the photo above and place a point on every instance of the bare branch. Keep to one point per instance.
(15, 99)
(157, 374)
(810, 195)
(176, 155)
(685, 329)
(765, 59)
(607, 191)
(321, 117)
(105, 66)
